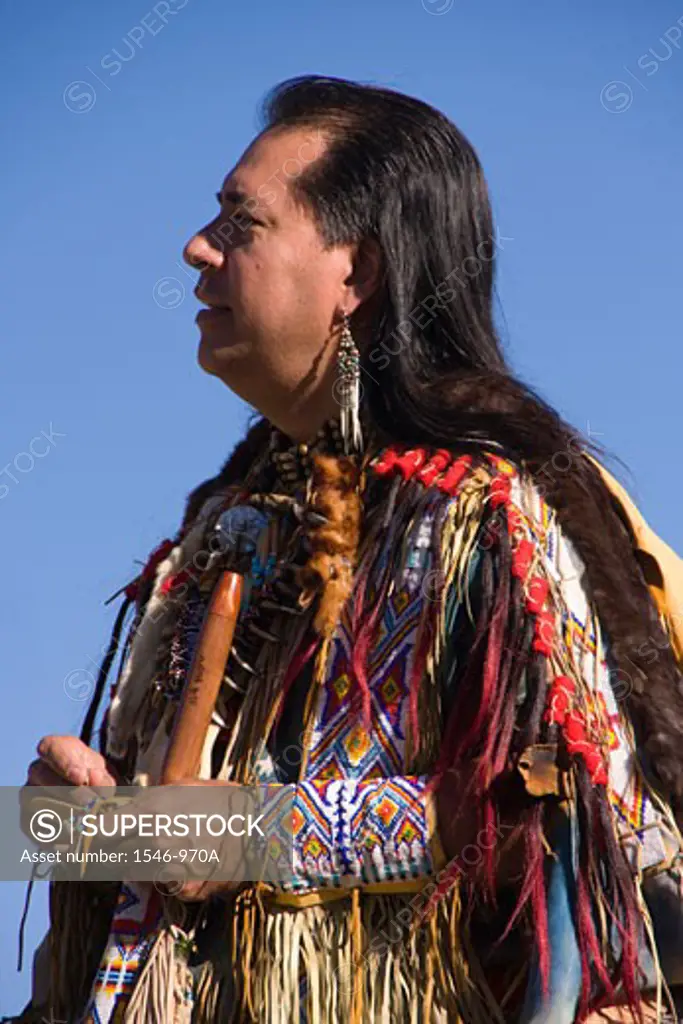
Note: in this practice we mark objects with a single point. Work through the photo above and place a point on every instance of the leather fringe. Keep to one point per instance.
(358, 959)
(163, 991)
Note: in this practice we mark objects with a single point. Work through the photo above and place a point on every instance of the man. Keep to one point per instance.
(446, 638)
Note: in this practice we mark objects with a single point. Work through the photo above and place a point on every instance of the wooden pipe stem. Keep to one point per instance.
(198, 700)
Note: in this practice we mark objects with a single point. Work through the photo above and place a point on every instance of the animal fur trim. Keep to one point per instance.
(335, 486)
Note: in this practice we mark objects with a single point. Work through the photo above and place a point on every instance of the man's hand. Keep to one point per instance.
(64, 761)
(67, 761)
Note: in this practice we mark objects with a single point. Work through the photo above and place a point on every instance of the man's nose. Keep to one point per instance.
(200, 252)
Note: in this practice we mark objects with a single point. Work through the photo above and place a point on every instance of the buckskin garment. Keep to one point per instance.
(430, 614)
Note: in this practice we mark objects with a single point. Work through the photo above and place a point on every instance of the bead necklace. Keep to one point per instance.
(292, 462)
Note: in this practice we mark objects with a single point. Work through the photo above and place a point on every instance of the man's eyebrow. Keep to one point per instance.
(240, 198)
(231, 196)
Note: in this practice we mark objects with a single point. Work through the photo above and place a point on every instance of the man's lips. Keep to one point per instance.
(215, 310)
(211, 301)
(212, 313)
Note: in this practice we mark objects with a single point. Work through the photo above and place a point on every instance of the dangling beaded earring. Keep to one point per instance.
(348, 390)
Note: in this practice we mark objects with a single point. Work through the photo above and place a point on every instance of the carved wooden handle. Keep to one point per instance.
(183, 756)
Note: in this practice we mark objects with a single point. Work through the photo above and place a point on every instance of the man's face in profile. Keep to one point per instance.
(272, 287)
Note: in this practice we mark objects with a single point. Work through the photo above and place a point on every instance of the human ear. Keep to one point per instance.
(366, 273)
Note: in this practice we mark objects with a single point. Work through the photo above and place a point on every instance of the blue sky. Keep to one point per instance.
(120, 128)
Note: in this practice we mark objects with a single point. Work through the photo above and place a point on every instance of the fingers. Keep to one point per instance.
(66, 756)
(101, 776)
(40, 774)
(77, 763)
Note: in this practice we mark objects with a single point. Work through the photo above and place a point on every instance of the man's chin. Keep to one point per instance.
(206, 357)
(214, 357)
(227, 362)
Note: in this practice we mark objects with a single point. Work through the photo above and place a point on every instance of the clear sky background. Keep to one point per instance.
(117, 130)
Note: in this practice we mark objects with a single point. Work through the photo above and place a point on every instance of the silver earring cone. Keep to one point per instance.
(349, 391)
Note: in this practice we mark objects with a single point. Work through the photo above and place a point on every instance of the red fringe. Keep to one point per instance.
(540, 910)
(535, 854)
(492, 699)
(490, 828)
(421, 651)
(364, 635)
(589, 946)
(302, 656)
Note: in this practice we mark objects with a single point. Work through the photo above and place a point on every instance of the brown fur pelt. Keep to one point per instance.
(329, 571)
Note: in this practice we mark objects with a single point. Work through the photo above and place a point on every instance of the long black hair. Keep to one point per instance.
(398, 171)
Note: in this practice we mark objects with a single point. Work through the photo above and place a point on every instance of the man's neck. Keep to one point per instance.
(302, 425)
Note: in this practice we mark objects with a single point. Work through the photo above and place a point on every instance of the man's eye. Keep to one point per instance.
(239, 215)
